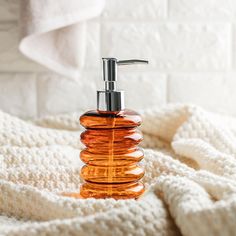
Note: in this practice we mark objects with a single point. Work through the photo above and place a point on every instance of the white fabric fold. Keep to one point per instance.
(53, 33)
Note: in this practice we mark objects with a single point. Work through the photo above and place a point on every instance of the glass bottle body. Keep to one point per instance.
(111, 155)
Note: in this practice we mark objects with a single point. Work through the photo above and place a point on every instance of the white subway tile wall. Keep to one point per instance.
(191, 46)
(58, 94)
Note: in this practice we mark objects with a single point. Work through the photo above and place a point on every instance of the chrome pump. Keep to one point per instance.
(111, 99)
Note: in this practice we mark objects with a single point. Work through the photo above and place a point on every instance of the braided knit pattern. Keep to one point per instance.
(190, 178)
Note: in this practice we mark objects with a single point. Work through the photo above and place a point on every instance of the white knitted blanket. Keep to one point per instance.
(190, 164)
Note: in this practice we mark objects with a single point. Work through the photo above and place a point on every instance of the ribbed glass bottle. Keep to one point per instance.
(111, 155)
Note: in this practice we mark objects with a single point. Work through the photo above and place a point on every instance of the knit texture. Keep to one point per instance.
(190, 178)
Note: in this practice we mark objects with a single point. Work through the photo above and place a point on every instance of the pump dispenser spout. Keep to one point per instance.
(110, 99)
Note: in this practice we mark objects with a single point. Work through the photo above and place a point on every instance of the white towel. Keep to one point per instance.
(53, 32)
(190, 178)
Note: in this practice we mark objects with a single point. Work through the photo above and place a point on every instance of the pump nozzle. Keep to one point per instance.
(110, 99)
(110, 67)
(131, 61)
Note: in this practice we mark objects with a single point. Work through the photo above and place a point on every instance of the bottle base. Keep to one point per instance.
(115, 191)
(103, 191)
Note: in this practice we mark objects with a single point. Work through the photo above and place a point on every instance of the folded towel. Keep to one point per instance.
(190, 178)
(53, 33)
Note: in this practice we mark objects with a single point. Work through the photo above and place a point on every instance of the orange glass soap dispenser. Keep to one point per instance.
(111, 137)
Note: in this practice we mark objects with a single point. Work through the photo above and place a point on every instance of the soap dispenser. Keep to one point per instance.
(111, 138)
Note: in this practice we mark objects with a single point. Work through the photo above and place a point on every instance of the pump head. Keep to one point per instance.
(110, 99)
